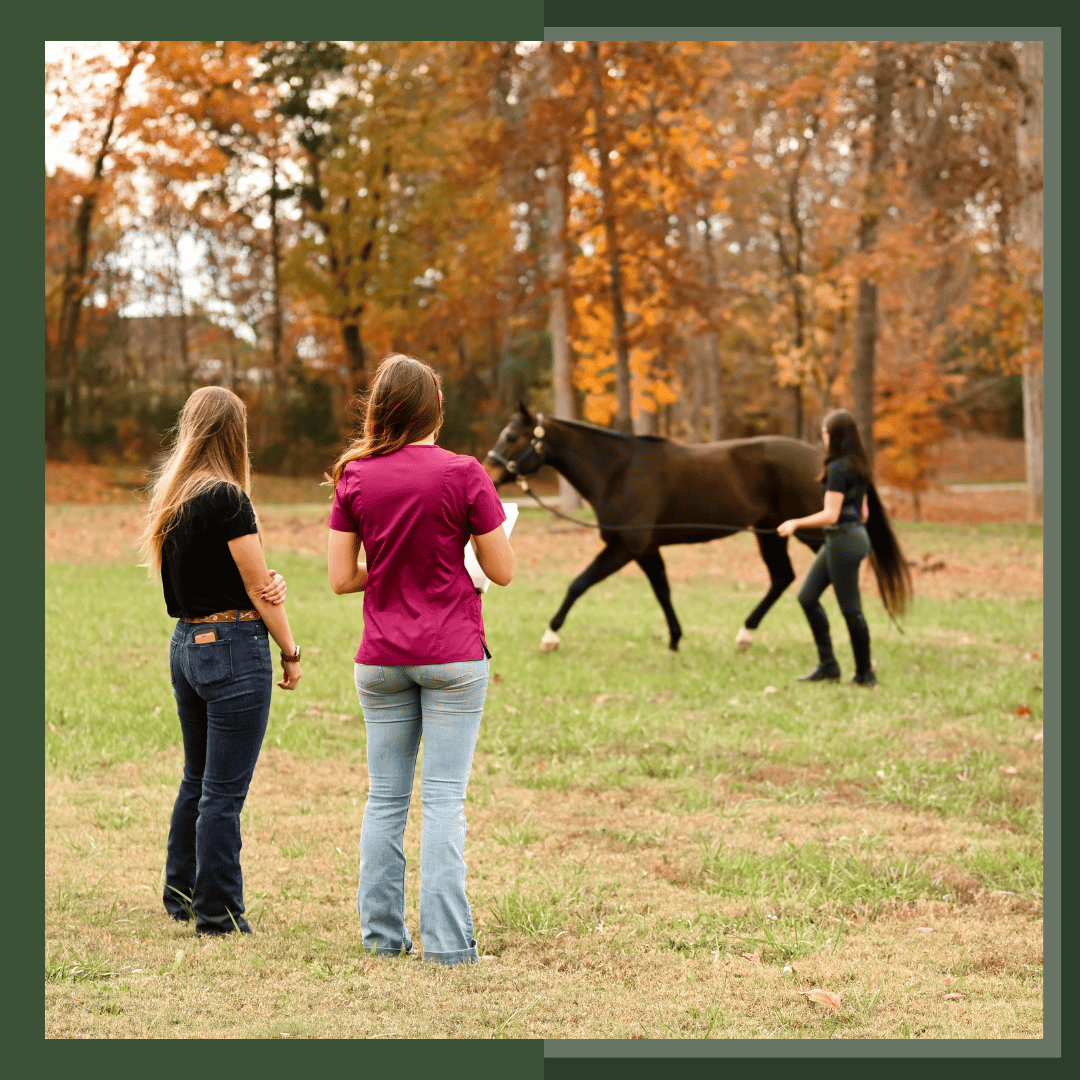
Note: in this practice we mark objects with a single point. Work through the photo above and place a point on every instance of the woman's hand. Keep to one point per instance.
(274, 592)
(786, 528)
(291, 669)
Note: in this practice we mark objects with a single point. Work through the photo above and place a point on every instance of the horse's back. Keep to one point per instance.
(744, 480)
(792, 458)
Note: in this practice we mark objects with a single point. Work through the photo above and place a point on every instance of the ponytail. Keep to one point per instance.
(888, 562)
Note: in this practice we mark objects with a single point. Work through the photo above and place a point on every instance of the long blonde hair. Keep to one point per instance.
(211, 447)
(403, 406)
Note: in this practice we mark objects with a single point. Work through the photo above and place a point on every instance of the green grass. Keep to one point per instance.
(658, 846)
(613, 707)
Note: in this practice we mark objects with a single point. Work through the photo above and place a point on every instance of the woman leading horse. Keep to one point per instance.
(855, 526)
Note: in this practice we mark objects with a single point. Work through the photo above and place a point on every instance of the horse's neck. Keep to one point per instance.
(583, 458)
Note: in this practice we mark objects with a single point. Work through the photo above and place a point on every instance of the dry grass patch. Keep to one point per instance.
(944, 565)
(595, 909)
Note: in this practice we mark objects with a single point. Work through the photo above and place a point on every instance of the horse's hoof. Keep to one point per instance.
(744, 639)
(549, 642)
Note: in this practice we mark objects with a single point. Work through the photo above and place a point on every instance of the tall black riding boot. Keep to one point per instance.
(860, 647)
(828, 670)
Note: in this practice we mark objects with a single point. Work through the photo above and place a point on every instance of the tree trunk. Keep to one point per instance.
(862, 376)
(791, 266)
(699, 361)
(623, 420)
(715, 375)
(555, 180)
(1030, 229)
(276, 360)
(354, 350)
(716, 397)
(181, 317)
(834, 361)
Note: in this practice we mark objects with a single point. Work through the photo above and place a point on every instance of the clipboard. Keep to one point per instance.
(479, 578)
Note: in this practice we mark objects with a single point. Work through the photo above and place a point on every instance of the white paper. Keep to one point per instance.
(479, 578)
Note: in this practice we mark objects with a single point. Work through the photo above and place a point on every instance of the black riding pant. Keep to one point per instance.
(837, 564)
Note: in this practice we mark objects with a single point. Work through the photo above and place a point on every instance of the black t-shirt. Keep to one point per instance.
(842, 476)
(198, 573)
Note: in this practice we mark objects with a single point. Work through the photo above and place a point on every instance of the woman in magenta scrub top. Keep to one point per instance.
(422, 666)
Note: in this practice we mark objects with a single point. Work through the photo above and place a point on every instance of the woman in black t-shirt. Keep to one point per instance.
(203, 536)
(855, 526)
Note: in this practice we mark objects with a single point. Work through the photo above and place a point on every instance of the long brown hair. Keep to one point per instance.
(211, 447)
(886, 559)
(404, 405)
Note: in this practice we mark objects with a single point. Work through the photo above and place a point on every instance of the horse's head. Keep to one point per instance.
(519, 451)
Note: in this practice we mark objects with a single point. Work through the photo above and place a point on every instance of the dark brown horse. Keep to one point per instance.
(648, 492)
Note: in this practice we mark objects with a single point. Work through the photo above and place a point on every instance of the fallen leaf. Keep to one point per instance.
(955, 997)
(822, 997)
(965, 640)
(754, 957)
(52, 728)
(770, 690)
(601, 698)
(496, 677)
(961, 777)
(1023, 710)
(511, 709)
(948, 980)
(1008, 770)
(1037, 737)
(1034, 656)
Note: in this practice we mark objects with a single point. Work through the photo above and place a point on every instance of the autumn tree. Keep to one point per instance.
(100, 120)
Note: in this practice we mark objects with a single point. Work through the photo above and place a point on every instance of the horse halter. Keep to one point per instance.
(516, 467)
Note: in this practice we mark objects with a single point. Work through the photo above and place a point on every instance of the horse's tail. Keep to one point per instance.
(890, 566)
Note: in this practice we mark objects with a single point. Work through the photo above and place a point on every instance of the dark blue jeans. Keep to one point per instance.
(222, 691)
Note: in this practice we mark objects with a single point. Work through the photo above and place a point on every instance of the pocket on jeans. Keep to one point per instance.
(368, 676)
(210, 663)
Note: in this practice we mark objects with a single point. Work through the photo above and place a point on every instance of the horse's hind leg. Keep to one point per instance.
(613, 557)
(774, 551)
(653, 565)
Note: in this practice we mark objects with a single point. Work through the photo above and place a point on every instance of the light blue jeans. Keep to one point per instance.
(443, 703)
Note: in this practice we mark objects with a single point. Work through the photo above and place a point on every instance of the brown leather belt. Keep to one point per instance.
(247, 615)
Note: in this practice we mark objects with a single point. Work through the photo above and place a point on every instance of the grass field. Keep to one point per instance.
(660, 845)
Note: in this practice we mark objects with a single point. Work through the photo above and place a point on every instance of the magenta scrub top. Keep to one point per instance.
(415, 510)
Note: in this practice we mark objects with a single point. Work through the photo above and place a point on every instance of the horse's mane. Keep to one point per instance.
(611, 433)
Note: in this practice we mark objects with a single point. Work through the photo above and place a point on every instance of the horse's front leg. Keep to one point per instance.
(613, 557)
(653, 565)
